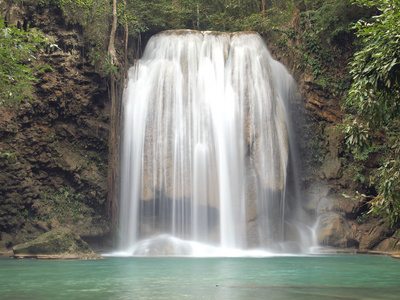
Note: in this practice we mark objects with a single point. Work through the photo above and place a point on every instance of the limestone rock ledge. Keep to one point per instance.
(396, 255)
(60, 243)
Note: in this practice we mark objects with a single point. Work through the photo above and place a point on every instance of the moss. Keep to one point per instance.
(312, 144)
(60, 242)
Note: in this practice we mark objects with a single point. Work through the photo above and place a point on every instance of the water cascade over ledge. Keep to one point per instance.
(206, 153)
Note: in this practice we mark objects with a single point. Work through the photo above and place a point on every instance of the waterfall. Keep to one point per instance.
(206, 147)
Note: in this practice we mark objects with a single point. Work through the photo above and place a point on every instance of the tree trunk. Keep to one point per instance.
(126, 44)
(111, 45)
(263, 8)
(113, 141)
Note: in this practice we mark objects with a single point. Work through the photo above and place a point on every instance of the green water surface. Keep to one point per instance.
(310, 277)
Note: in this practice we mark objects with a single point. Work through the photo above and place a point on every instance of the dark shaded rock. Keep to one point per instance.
(330, 168)
(376, 235)
(56, 244)
(56, 144)
(5, 243)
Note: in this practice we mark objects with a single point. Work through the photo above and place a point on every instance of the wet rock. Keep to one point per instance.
(252, 211)
(335, 213)
(334, 230)
(313, 195)
(56, 244)
(163, 245)
(347, 207)
(330, 168)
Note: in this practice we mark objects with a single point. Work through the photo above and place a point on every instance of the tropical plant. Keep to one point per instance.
(18, 71)
(374, 97)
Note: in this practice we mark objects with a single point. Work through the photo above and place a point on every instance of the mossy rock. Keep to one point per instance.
(59, 243)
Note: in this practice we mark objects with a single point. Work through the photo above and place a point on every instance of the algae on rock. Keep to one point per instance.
(60, 243)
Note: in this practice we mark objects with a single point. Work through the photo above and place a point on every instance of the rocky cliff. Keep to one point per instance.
(53, 150)
(332, 179)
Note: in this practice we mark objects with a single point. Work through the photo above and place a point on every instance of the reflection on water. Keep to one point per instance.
(312, 277)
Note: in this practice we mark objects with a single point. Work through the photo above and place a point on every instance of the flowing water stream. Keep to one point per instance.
(208, 149)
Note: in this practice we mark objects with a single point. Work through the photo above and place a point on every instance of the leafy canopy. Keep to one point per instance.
(17, 53)
(374, 96)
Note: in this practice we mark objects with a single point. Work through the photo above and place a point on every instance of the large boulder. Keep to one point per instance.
(376, 235)
(334, 230)
(391, 244)
(60, 243)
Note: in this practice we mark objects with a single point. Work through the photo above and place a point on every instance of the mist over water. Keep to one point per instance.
(207, 150)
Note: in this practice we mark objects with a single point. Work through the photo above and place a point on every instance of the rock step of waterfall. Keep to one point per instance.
(206, 145)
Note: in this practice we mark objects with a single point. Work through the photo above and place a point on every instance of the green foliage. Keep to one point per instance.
(375, 69)
(93, 17)
(312, 145)
(358, 176)
(160, 15)
(358, 136)
(223, 15)
(17, 57)
(387, 179)
(330, 19)
(319, 37)
(150, 17)
(362, 218)
(374, 96)
(76, 7)
(6, 155)
(64, 205)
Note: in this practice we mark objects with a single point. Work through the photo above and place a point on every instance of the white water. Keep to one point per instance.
(205, 154)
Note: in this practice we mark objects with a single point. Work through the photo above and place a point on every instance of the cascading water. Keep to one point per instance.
(205, 154)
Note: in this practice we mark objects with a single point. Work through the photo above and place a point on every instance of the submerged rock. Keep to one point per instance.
(60, 243)
(163, 245)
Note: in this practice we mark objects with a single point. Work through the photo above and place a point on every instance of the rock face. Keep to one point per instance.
(56, 244)
(332, 212)
(379, 237)
(344, 223)
(329, 170)
(334, 230)
(53, 150)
